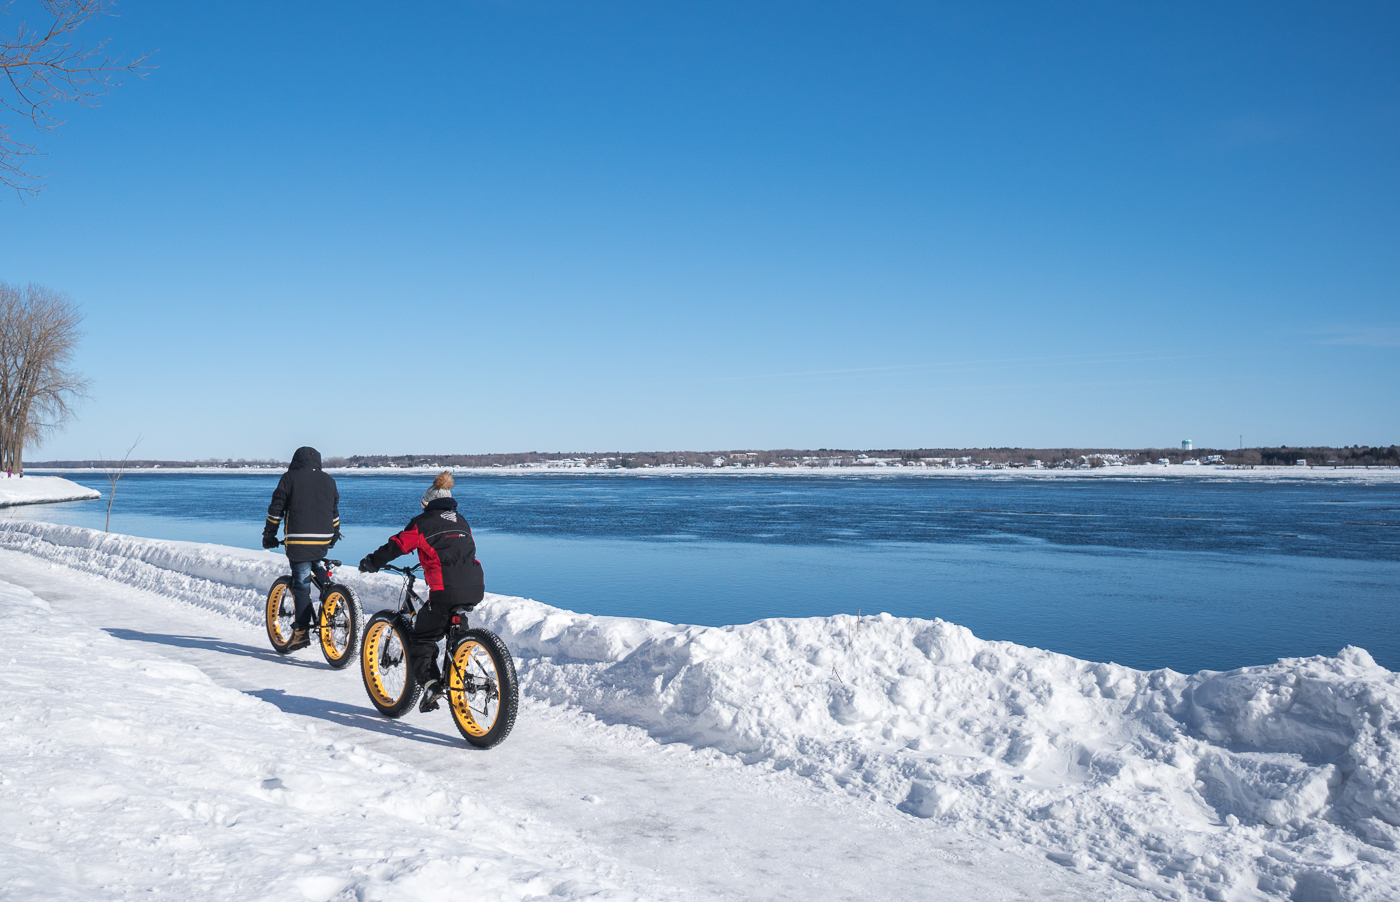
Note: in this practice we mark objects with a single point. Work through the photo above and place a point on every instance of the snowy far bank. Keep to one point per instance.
(41, 490)
(1273, 782)
(1376, 475)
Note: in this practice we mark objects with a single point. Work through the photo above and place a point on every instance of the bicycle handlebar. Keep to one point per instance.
(406, 571)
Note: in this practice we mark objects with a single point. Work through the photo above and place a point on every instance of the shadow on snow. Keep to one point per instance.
(334, 712)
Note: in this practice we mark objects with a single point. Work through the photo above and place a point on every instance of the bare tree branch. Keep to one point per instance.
(114, 473)
(42, 66)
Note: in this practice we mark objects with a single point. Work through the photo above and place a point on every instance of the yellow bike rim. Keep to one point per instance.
(474, 711)
(382, 643)
(279, 618)
(335, 630)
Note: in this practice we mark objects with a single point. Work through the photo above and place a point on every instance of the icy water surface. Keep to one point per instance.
(1183, 573)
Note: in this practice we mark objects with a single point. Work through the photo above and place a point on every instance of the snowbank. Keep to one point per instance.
(142, 777)
(41, 490)
(1279, 782)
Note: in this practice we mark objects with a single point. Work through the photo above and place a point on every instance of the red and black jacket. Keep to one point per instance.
(443, 539)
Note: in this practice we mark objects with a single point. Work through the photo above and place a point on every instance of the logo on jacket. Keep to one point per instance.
(450, 515)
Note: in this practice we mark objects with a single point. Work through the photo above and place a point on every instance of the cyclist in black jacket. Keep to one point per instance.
(307, 499)
(443, 539)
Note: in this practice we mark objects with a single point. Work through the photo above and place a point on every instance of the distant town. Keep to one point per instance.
(978, 458)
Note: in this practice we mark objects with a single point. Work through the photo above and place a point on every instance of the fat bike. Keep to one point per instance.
(336, 615)
(478, 671)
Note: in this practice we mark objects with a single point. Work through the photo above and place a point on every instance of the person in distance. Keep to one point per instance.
(308, 503)
(443, 539)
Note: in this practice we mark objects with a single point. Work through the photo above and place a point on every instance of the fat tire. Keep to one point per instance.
(279, 611)
(483, 735)
(384, 665)
(341, 603)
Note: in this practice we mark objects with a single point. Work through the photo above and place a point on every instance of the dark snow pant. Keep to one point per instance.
(301, 593)
(428, 629)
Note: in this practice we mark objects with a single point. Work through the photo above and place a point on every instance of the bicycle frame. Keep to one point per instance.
(456, 627)
(322, 576)
(333, 609)
(406, 602)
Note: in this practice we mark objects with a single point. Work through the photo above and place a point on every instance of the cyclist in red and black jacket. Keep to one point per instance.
(443, 539)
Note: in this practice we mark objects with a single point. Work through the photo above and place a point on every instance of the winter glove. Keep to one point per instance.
(269, 540)
(336, 538)
(367, 565)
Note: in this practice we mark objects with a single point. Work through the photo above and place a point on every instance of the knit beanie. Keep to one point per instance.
(441, 488)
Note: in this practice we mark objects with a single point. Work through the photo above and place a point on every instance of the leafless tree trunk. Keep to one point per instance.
(114, 472)
(38, 334)
(42, 65)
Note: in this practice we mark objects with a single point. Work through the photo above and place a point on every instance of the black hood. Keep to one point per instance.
(306, 458)
(439, 504)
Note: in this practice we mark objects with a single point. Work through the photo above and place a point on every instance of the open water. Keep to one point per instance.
(1190, 574)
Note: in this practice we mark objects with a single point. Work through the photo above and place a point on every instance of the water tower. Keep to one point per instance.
(1186, 444)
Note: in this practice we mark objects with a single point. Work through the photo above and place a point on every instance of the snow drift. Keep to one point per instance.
(42, 490)
(1278, 781)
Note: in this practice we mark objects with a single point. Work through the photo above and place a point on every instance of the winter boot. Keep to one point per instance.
(300, 639)
(432, 691)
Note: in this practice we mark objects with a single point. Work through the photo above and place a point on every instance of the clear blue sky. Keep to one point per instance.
(474, 227)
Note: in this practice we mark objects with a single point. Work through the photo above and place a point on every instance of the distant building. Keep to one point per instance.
(1301, 463)
(1186, 444)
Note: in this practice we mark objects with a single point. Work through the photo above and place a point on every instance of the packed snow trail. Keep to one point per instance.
(128, 773)
(205, 765)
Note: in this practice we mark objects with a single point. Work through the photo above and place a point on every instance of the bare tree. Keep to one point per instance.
(38, 334)
(42, 66)
(114, 472)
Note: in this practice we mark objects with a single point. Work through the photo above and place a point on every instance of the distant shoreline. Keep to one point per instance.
(1287, 456)
(1134, 471)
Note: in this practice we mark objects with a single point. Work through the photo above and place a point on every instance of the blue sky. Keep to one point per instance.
(477, 227)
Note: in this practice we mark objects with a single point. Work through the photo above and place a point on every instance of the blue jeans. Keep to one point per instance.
(301, 593)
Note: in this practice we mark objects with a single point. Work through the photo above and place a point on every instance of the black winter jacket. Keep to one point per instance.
(308, 499)
(443, 539)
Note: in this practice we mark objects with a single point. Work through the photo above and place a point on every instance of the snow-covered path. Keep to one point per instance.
(140, 757)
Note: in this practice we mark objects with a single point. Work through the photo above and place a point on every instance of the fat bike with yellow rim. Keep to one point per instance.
(483, 693)
(335, 615)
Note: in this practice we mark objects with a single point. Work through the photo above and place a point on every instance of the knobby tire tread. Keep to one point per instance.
(508, 688)
(356, 622)
(369, 664)
(285, 583)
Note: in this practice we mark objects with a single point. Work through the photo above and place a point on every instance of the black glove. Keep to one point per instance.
(367, 565)
(336, 538)
(269, 540)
